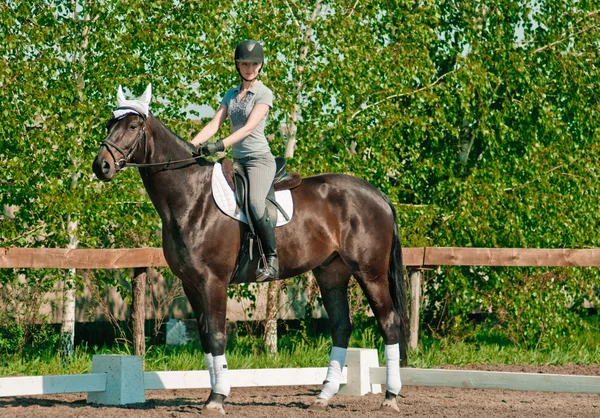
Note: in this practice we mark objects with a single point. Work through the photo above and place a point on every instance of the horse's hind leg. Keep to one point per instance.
(376, 288)
(333, 283)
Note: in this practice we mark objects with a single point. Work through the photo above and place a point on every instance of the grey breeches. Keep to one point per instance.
(261, 171)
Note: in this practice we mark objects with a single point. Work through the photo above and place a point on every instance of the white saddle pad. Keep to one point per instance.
(225, 198)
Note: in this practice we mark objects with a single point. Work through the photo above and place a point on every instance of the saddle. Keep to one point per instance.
(282, 181)
(237, 178)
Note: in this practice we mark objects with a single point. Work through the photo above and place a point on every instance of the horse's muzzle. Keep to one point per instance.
(104, 168)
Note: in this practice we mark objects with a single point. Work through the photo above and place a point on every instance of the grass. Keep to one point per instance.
(299, 350)
(461, 353)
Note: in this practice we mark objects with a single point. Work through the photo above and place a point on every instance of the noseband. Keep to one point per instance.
(110, 146)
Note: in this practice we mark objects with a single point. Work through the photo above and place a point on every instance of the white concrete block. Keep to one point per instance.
(124, 380)
(359, 362)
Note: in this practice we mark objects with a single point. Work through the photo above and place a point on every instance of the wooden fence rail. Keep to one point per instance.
(413, 257)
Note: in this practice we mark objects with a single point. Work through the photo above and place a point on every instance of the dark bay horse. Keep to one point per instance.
(341, 227)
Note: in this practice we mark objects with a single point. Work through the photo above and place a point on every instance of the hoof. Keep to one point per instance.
(213, 410)
(390, 406)
(214, 405)
(319, 404)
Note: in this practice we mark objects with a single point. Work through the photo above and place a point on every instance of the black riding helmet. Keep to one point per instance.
(249, 51)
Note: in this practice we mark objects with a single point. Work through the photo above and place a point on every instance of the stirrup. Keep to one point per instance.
(267, 272)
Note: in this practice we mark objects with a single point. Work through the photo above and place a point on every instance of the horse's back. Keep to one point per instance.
(337, 213)
(350, 195)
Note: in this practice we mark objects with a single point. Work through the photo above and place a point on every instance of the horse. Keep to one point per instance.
(342, 227)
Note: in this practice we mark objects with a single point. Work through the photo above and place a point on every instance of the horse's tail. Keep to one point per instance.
(397, 287)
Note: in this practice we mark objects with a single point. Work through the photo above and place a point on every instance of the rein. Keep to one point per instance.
(123, 163)
(167, 163)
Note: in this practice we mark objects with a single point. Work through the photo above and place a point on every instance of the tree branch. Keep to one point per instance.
(510, 189)
(292, 13)
(540, 49)
(364, 106)
(352, 9)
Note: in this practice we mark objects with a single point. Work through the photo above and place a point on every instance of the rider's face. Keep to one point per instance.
(249, 70)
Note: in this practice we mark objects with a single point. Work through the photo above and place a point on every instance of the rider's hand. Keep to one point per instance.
(211, 148)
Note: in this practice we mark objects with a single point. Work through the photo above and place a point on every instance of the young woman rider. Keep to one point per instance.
(247, 106)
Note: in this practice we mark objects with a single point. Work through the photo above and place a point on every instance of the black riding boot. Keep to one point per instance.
(266, 234)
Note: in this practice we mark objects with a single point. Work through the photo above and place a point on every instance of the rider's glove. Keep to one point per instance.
(211, 148)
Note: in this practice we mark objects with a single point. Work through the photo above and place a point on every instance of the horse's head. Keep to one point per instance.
(126, 136)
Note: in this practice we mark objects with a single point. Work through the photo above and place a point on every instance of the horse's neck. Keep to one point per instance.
(164, 145)
(174, 189)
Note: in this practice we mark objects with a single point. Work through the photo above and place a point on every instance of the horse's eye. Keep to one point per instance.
(133, 127)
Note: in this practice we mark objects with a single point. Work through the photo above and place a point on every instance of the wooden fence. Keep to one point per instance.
(415, 259)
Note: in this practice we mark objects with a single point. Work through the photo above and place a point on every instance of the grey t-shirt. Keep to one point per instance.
(256, 143)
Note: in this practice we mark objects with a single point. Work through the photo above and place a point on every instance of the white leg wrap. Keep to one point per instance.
(222, 385)
(334, 373)
(392, 368)
(210, 365)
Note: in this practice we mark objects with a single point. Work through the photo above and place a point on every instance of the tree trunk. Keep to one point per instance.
(289, 132)
(271, 319)
(68, 318)
(68, 324)
(138, 312)
(291, 129)
(415, 307)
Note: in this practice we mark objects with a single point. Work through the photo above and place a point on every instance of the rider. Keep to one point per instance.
(247, 106)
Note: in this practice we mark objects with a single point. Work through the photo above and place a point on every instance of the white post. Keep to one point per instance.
(359, 362)
(124, 380)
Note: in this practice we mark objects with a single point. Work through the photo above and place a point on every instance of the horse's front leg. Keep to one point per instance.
(209, 302)
(333, 283)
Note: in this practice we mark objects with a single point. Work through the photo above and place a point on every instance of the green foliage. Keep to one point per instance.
(25, 341)
(24, 330)
(532, 307)
(11, 336)
(478, 119)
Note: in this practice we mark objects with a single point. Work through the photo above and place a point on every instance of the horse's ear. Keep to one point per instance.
(147, 96)
(120, 96)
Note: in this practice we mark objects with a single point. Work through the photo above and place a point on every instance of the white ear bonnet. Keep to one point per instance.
(140, 106)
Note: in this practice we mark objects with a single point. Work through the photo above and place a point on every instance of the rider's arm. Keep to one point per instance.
(259, 111)
(211, 127)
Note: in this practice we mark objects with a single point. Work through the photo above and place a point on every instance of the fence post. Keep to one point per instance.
(124, 380)
(415, 307)
(138, 311)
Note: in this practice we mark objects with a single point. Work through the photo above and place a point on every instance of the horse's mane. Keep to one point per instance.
(170, 133)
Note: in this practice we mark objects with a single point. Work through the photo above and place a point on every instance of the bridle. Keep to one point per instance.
(126, 156)
(123, 163)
